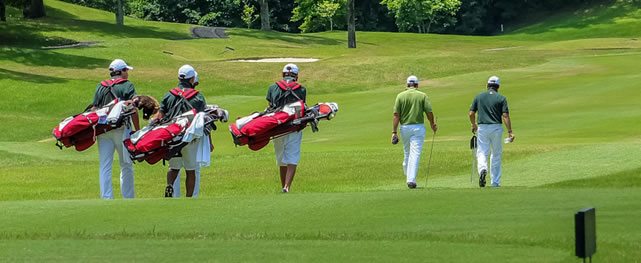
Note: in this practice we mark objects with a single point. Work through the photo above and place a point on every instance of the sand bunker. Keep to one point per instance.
(275, 60)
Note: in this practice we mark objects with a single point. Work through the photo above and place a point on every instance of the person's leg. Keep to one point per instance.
(171, 176)
(279, 148)
(189, 153)
(497, 152)
(190, 182)
(291, 156)
(283, 175)
(405, 137)
(416, 146)
(126, 166)
(106, 150)
(291, 172)
(483, 148)
(482, 152)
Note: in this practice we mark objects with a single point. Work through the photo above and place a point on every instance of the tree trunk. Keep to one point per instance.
(3, 16)
(331, 24)
(429, 25)
(120, 13)
(351, 24)
(264, 15)
(34, 9)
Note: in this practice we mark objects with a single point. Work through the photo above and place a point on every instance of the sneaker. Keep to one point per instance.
(285, 191)
(169, 191)
(482, 178)
(411, 185)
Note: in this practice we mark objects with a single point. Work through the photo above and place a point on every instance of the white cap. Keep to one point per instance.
(291, 68)
(494, 80)
(119, 64)
(196, 79)
(186, 72)
(412, 79)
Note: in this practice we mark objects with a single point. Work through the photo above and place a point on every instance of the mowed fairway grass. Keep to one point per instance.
(573, 87)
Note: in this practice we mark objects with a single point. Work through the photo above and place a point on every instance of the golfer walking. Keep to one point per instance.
(175, 105)
(409, 108)
(492, 111)
(118, 86)
(287, 147)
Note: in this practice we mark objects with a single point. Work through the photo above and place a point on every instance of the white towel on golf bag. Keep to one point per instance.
(196, 129)
(203, 155)
(115, 112)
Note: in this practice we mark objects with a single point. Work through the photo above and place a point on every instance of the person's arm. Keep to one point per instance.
(430, 118)
(508, 125)
(427, 108)
(472, 115)
(136, 121)
(395, 122)
(506, 120)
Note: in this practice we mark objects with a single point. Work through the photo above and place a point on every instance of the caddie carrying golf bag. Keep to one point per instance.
(258, 129)
(165, 139)
(82, 129)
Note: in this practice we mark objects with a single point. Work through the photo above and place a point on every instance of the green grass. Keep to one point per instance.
(571, 81)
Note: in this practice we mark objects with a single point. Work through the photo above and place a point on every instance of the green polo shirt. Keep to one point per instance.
(276, 96)
(490, 106)
(102, 96)
(169, 107)
(411, 104)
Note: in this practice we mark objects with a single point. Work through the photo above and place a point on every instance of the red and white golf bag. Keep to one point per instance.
(258, 129)
(163, 141)
(82, 129)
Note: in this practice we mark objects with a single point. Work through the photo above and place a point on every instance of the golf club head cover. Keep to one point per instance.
(473, 144)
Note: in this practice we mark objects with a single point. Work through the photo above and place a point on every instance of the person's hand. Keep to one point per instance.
(474, 128)
(394, 138)
(511, 136)
(434, 127)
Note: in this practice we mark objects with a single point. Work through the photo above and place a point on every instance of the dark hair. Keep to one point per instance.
(290, 74)
(186, 82)
(117, 72)
(412, 84)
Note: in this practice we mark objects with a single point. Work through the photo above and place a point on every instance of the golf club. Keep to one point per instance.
(429, 161)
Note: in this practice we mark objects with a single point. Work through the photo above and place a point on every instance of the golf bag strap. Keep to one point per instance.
(291, 85)
(187, 93)
(110, 83)
(289, 88)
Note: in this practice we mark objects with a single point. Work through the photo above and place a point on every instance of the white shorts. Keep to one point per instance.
(287, 148)
(188, 159)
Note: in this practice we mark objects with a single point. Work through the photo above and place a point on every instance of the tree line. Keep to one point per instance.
(477, 17)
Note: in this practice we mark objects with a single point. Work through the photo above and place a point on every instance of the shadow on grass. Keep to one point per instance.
(290, 38)
(35, 57)
(28, 77)
(28, 33)
(623, 179)
(65, 21)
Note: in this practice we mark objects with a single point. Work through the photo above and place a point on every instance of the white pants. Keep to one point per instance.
(196, 185)
(489, 138)
(107, 144)
(287, 148)
(413, 136)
